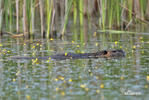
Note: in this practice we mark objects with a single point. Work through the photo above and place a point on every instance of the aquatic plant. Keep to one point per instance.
(47, 16)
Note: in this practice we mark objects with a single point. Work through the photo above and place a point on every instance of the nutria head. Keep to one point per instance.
(100, 53)
(111, 53)
(116, 53)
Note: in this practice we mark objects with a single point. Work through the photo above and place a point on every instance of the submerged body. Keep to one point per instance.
(99, 54)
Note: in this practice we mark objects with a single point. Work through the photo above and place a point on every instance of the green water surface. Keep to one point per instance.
(81, 79)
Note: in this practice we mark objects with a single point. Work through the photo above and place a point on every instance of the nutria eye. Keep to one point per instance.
(105, 52)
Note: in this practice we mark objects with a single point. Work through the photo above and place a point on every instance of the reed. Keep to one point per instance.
(25, 30)
(1, 14)
(49, 6)
(28, 15)
(68, 7)
(17, 16)
(81, 20)
(75, 12)
(32, 14)
(41, 17)
(110, 16)
(102, 19)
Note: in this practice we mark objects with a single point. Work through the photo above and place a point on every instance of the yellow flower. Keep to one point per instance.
(101, 85)
(97, 91)
(33, 53)
(8, 51)
(62, 93)
(122, 78)
(134, 46)
(70, 80)
(51, 39)
(95, 33)
(56, 79)
(61, 77)
(4, 50)
(83, 85)
(1, 45)
(142, 52)
(14, 80)
(65, 54)
(73, 42)
(28, 97)
(116, 42)
(37, 44)
(33, 47)
(147, 78)
(96, 44)
(146, 86)
(78, 46)
(57, 89)
(18, 73)
(82, 52)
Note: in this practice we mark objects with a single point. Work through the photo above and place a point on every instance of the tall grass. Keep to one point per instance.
(1, 14)
(49, 8)
(68, 7)
(27, 16)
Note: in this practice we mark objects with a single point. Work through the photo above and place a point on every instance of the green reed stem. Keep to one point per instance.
(66, 15)
(49, 14)
(118, 12)
(81, 20)
(110, 12)
(6, 14)
(129, 7)
(75, 19)
(81, 12)
(10, 16)
(103, 18)
(75, 12)
(142, 5)
(1, 16)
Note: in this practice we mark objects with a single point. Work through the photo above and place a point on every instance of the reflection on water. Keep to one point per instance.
(91, 79)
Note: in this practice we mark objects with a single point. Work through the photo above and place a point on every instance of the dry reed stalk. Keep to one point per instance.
(1, 12)
(25, 29)
(32, 18)
(136, 8)
(52, 23)
(62, 12)
(85, 21)
(41, 17)
(134, 14)
(123, 16)
(147, 11)
(17, 16)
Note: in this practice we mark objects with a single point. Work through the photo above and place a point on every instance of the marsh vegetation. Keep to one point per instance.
(40, 28)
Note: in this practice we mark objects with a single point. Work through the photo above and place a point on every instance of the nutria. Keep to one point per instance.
(99, 54)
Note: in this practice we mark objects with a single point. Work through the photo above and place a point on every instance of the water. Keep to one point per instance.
(79, 79)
